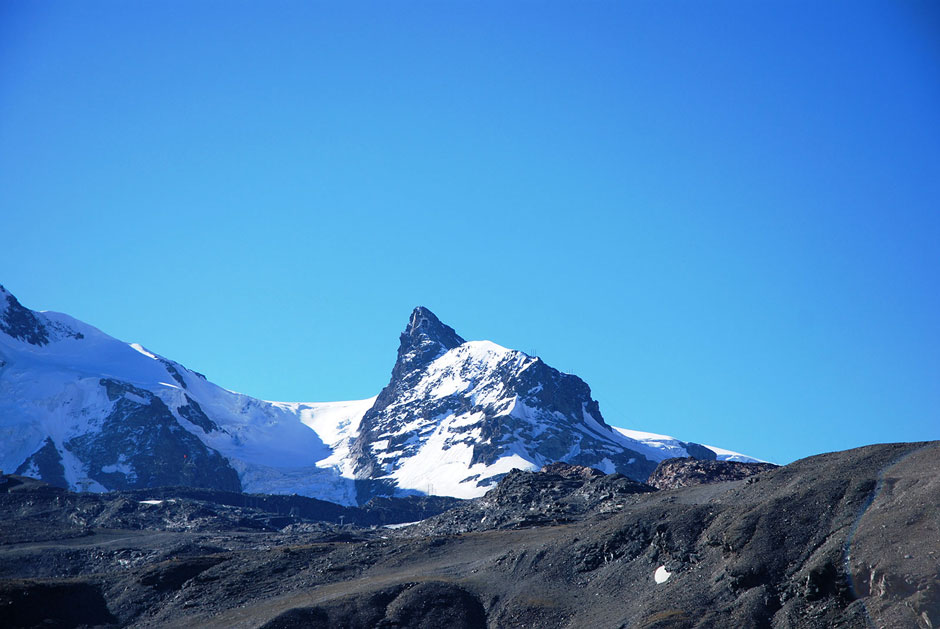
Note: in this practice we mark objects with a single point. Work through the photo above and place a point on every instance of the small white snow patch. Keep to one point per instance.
(140, 349)
(661, 575)
(730, 455)
(120, 467)
(381, 444)
(400, 526)
(607, 466)
(151, 502)
(133, 397)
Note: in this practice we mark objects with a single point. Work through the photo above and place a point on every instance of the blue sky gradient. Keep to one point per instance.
(723, 216)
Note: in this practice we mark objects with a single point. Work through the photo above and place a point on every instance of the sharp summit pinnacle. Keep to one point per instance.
(424, 326)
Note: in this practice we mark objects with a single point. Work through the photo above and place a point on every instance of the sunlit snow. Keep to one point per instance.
(140, 348)
(661, 575)
(660, 447)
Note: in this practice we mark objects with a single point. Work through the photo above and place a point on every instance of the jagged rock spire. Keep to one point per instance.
(426, 337)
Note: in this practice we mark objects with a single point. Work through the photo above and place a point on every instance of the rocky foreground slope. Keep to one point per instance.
(848, 539)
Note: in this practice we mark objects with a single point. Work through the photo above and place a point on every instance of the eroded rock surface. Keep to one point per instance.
(685, 472)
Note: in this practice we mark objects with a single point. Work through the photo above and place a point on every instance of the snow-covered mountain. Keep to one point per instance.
(83, 410)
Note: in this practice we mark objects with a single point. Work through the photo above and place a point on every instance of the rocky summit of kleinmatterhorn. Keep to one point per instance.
(457, 416)
(85, 411)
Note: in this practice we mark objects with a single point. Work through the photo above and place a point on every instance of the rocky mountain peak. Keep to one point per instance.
(457, 416)
(20, 322)
(425, 338)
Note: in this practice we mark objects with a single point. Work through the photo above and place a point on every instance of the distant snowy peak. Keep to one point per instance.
(457, 415)
(55, 341)
(84, 410)
(87, 411)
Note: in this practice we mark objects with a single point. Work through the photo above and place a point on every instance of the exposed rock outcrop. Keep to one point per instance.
(675, 473)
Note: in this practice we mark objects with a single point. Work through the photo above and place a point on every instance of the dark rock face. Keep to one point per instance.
(52, 512)
(700, 452)
(847, 539)
(45, 463)
(675, 473)
(191, 411)
(559, 493)
(571, 472)
(171, 369)
(512, 404)
(141, 444)
(19, 322)
(425, 338)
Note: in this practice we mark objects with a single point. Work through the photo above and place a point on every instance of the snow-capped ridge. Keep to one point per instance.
(85, 410)
(457, 421)
(75, 409)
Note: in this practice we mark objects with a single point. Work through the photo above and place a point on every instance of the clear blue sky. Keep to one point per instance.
(723, 216)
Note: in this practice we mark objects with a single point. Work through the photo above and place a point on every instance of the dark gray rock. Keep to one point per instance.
(675, 473)
(698, 451)
(20, 322)
(171, 369)
(45, 463)
(191, 411)
(559, 493)
(141, 444)
(193, 509)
